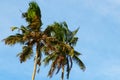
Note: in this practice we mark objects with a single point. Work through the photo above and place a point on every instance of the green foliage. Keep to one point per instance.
(13, 28)
(56, 42)
(25, 54)
(33, 16)
(49, 58)
(57, 31)
(32, 12)
(64, 53)
(13, 39)
(79, 62)
(62, 33)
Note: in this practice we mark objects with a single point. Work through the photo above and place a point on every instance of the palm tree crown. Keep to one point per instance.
(64, 55)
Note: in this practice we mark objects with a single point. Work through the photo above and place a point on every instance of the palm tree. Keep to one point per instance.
(56, 42)
(64, 53)
(30, 36)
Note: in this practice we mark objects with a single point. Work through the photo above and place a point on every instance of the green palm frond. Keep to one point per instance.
(56, 31)
(77, 53)
(32, 12)
(49, 58)
(71, 52)
(48, 30)
(74, 32)
(51, 40)
(14, 28)
(73, 41)
(13, 39)
(64, 24)
(25, 54)
(24, 29)
(62, 33)
(34, 9)
(79, 62)
(33, 16)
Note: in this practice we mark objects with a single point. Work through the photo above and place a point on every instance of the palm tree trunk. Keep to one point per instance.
(62, 76)
(35, 63)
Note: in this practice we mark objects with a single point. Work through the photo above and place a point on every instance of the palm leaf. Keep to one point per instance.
(79, 62)
(74, 32)
(13, 39)
(68, 67)
(25, 54)
(52, 69)
(71, 52)
(49, 58)
(14, 28)
(24, 29)
(73, 41)
(33, 16)
(77, 53)
(58, 68)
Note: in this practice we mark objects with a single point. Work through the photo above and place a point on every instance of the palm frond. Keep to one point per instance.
(33, 7)
(74, 32)
(57, 31)
(24, 29)
(48, 30)
(73, 41)
(33, 16)
(14, 28)
(79, 62)
(25, 54)
(60, 62)
(49, 58)
(32, 11)
(71, 52)
(13, 39)
(68, 68)
(52, 69)
(58, 68)
(77, 53)
(65, 25)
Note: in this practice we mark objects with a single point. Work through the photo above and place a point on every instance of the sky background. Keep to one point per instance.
(99, 37)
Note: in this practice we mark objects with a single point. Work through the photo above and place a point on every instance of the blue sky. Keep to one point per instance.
(99, 37)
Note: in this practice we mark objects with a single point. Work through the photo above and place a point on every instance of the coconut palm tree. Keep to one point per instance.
(64, 53)
(30, 36)
(56, 42)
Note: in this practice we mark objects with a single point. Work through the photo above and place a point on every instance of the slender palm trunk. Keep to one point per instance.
(35, 63)
(62, 76)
